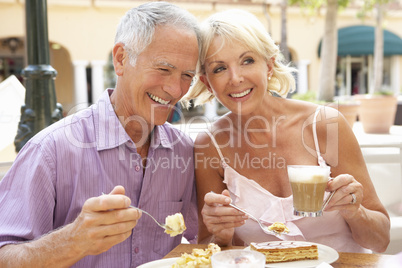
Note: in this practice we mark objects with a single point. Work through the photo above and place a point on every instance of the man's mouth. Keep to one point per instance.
(241, 94)
(157, 99)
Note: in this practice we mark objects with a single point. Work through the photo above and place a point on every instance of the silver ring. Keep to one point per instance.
(353, 199)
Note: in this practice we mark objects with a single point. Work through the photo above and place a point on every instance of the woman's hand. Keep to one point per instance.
(221, 219)
(348, 196)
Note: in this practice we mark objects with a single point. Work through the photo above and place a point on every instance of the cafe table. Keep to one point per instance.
(345, 260)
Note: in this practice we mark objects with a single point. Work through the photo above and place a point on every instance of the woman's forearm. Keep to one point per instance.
(370, 229)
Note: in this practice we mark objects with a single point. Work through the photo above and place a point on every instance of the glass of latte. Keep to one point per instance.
(308, 187)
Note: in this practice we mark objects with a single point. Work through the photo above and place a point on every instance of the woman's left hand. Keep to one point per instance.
(348, 195)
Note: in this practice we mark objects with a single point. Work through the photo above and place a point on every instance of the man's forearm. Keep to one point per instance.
(52, 250)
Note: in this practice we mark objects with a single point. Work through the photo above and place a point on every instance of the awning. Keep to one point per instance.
(359, 40)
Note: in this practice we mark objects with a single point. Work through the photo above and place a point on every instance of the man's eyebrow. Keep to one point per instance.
(167, 64)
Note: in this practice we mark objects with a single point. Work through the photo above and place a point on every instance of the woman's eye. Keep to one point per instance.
(249, 61)
(218, 69)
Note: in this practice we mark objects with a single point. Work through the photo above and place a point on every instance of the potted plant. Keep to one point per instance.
(377, 111)
(348, 107)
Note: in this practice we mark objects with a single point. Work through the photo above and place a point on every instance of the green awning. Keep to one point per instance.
(359, 40)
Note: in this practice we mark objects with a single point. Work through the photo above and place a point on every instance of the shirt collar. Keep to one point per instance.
(161, 137)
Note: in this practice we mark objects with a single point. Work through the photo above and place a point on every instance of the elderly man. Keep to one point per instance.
(52, 210)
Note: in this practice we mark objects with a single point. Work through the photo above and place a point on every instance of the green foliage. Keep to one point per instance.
(309, 96)
(369, 6)
(384, 91)
(314, 5)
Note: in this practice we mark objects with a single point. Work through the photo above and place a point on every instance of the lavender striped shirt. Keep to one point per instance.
(89, 153)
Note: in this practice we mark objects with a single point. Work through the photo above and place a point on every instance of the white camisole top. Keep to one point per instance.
(330, 229)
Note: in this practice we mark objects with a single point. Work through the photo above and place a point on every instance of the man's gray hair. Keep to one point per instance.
(136, 29)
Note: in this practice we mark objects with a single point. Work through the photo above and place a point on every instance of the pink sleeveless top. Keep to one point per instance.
(330, 229)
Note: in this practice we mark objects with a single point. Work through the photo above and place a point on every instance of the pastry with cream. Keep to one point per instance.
(286, 251)
(176, 224)
(199, 258)
(279, 227)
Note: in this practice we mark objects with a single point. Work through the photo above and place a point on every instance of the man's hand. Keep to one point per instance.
(104, 221)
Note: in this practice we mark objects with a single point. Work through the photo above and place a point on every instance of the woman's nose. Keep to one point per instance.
(236, 77)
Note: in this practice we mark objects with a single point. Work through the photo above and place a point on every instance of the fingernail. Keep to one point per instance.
(127, 202)
(227, 200)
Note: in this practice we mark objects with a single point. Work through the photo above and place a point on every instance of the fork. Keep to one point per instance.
(263, 227)
(164, 226)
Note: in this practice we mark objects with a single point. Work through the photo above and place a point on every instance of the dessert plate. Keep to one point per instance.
(325, 254)
(163, 263)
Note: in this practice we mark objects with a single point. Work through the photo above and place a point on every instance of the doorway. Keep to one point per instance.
(352, 75)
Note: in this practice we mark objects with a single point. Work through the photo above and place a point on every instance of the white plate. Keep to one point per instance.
(163, 263)
(325, 254)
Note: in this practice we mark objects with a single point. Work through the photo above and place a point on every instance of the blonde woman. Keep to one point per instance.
(243, 157)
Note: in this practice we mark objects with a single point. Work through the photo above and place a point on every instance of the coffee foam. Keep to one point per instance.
(311, 174)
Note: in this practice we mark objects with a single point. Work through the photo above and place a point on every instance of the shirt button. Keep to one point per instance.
(136, 250)
(137, 168)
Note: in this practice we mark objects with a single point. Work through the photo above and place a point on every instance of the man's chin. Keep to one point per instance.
(160, 120)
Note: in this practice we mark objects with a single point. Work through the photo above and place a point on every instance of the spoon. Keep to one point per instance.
(263, 227)
(164, 226)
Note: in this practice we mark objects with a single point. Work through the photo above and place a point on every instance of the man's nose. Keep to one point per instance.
(173, 86)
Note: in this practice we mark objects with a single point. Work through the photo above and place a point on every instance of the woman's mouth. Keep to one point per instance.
(241, 94)
(157, 99)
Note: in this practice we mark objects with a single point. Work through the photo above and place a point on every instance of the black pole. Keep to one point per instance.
(40, 109)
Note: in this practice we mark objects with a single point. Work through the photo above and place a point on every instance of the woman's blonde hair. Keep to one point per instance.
(241, 26)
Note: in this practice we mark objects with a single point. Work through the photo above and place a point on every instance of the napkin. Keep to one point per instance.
(324, 265)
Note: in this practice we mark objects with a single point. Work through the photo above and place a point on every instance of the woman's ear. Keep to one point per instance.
(204, 79)
(270, 65)
(119, 57)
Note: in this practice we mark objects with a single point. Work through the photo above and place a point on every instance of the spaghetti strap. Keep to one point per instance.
(321, 160)
(216, 146)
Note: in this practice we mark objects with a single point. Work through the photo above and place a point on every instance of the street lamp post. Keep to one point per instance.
(41, 108)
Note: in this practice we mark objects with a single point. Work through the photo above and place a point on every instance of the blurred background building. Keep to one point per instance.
(81, 37)
(81, 34)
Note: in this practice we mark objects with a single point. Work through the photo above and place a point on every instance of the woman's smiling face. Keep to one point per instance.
(236, 75)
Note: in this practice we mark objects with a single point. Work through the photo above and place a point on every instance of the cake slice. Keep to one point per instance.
(286, 251)
(176, 224)
(279, 228)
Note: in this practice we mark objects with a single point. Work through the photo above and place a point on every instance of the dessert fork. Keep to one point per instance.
(263, 227)
(164, 226)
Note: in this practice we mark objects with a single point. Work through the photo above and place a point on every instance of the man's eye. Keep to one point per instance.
(163, 70)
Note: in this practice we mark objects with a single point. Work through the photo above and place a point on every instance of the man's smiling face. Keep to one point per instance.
(161, 76)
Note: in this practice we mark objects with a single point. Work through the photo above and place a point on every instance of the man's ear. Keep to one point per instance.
(204, 79)
(119, 58)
